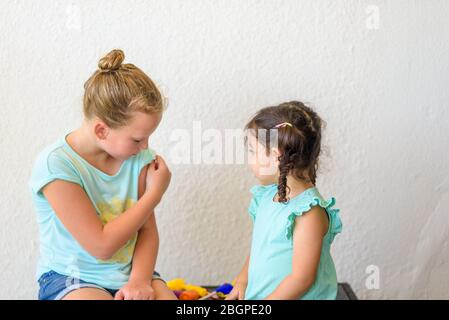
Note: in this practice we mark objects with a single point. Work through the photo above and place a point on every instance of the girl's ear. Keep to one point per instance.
(101, 130)
(275, 154)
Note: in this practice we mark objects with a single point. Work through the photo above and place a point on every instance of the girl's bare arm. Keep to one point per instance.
(76, 212)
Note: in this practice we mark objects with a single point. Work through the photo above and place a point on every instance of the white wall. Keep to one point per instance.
(382, 88)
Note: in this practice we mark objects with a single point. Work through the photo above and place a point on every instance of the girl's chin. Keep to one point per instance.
(123, 158)
(266, 180)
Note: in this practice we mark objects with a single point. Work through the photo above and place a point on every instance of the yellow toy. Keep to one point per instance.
(200, 290)
(178, 285)
(191, 292)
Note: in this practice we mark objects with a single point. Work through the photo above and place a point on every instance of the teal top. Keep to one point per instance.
(272, 245)
(110, 195)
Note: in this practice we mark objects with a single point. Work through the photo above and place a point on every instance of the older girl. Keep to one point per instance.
(95, 190)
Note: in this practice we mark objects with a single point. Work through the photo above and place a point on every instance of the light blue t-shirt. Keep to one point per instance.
(111, 195)
(272, 244)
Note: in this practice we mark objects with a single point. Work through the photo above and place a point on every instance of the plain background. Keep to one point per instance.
(376, 71)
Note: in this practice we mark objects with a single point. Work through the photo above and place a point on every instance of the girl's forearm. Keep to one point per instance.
(291, 288)
(243, 275)
(145, 254)
(117, 232)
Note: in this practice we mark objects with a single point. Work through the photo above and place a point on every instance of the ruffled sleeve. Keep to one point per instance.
(333, 213)
(258, 193)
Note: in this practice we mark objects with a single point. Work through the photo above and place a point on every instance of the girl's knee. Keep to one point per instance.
(162, 292)
(88, 294)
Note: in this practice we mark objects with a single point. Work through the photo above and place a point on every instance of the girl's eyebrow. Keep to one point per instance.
(139, 138)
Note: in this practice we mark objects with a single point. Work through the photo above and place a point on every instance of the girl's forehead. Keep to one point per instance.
(142, 123)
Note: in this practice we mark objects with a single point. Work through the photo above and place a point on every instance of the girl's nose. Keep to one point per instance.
(144, 145)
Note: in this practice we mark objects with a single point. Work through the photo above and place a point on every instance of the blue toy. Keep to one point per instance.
(224, 289)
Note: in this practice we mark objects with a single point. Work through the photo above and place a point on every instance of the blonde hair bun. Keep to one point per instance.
(115, 90)
(112, 61)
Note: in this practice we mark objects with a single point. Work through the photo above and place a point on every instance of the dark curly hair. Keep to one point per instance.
(299, 144)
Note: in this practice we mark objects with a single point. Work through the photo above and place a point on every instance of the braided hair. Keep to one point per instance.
(299, 144)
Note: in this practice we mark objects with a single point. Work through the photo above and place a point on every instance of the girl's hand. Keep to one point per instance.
(136, 290)
(238, 292)
(158, 176)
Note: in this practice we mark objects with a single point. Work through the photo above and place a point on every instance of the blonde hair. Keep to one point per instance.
(116, 90)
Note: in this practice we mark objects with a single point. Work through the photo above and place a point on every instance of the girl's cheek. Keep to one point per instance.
(128, 149)
(255, 170)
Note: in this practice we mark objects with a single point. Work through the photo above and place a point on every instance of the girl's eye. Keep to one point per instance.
(137, 141)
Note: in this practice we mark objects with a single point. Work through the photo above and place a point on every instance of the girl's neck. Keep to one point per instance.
(84, 143)
(297, 186)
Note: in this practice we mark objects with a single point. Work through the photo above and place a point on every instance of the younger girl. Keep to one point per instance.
(95, 190)
(293, 225)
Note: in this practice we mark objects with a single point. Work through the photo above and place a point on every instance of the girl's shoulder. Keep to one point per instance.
(308, 199)
(259, 191)
(51, 153)
(146, 155)
(53, 162)
(144, 158)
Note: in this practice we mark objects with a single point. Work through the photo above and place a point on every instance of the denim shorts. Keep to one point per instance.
(55, 286)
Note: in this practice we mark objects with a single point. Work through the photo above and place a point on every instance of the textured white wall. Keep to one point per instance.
(382, 88)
